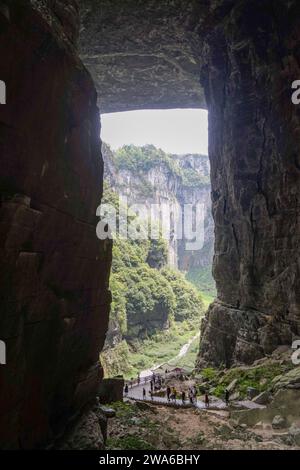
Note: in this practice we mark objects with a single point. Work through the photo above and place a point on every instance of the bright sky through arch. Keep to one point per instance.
(175, 131)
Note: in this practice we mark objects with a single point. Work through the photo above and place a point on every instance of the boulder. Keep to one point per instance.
(294, 432)
(279, 422)
(252, 392)
(286, 403)
(289, 380)
(263, 398)
(108, 412)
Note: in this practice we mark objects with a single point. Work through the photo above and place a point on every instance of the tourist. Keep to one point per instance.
(126, 390)
(227, 396)
(183, 397)
(138, 379)
(174, 394)
(131, 382)
(151, 385)
(168, 393)
(191, 395)
(144, 393)
(206, 400)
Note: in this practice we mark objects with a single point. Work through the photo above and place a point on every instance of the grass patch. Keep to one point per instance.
(202, 278)
(162, 347)
(207, 299)
(209, 373)
(124, 411)
(259, 377)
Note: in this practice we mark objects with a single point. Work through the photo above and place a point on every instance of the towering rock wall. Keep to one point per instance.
(250, 59)
(54, 271)
(188, 183)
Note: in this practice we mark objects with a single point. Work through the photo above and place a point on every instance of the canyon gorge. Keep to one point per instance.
(64, 63)
(159, 186)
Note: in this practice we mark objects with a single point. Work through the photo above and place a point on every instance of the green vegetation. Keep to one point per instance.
(124, 410)
(189, 359)
(259, 377)
(202, 278)
(163, 346)
(191, 179)
(154, 309)
(130, 442)
(207, 300)
(144, 433)
(116, 359)
(143, 159)
(140, 160)
(209, 373)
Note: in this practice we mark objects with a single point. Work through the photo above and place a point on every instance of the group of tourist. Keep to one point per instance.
(157, 383)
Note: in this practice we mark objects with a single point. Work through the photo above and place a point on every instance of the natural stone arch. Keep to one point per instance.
(241, 50)
(54, 277)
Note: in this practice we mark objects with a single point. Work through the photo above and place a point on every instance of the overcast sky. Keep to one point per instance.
(174, 131)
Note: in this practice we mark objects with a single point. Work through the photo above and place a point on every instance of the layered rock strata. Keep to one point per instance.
(54, 272)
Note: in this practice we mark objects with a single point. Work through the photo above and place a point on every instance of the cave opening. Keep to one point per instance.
(243, 57)
(157, 178)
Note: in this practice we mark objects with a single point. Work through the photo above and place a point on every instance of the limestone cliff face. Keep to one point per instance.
(54, 271)
(251, 59)
(160, 185)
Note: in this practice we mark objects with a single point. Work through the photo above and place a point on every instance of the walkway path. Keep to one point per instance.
(136, 393)
(136, 390)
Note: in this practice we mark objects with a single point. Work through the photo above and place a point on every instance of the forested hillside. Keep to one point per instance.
(150, 306)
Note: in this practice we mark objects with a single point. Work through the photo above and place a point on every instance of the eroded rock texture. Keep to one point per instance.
(250, 58)
(143, 53)
(54, 297)
(54, 271)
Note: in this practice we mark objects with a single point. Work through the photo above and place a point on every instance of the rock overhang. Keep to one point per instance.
(143, 54)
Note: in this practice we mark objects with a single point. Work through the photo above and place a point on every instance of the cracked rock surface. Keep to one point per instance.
(142, 54)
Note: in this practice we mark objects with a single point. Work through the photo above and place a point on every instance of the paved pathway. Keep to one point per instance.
(136, 393)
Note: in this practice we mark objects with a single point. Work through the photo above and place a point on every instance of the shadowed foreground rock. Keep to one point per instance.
(54, 271)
